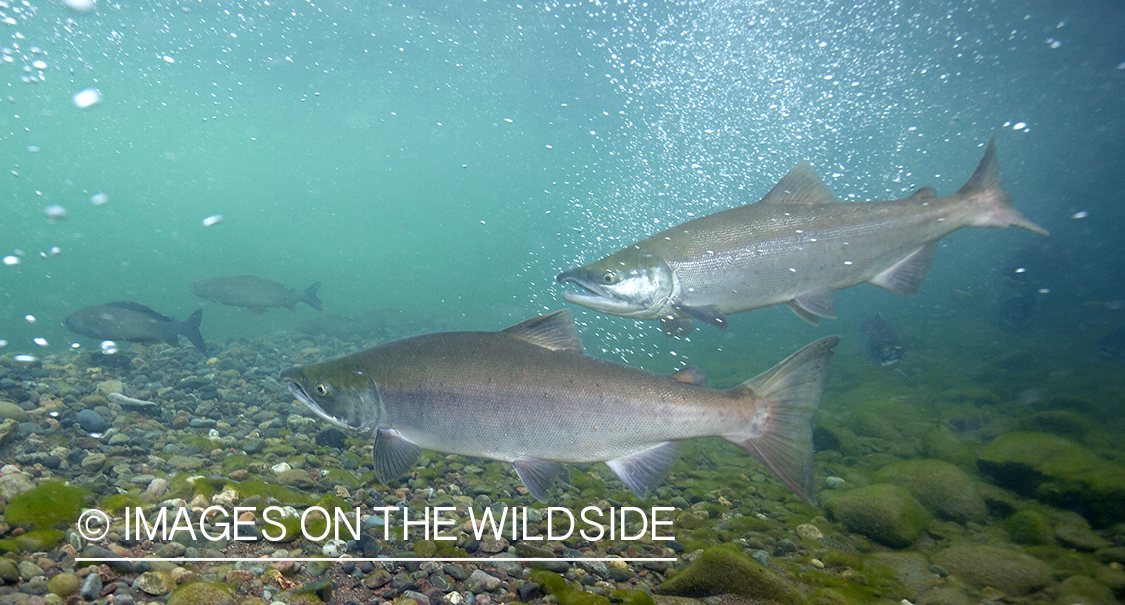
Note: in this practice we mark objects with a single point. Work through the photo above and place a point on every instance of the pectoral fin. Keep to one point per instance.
(905, 277)
(538, 475)
(708, 314)
(393, 455)
(640, 472)
(803, 314)
(820, 303)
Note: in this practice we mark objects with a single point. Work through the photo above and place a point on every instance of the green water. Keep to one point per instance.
(451, 160)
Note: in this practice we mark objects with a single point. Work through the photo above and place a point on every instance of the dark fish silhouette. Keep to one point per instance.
(879, 341)
(254, 293)
(134, 322)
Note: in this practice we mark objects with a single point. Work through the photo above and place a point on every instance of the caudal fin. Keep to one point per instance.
(190, 329)
(309, 297)
(986, 186)
(783, 400)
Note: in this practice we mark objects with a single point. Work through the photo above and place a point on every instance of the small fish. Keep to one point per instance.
(255, 293)
(530, 396)
(134, 322)
(879, 342)
(797, 246)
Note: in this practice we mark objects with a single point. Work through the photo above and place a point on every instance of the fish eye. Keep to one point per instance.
(321, 389)
(609, 277)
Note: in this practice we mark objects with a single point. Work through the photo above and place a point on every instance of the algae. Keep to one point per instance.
(51, 504)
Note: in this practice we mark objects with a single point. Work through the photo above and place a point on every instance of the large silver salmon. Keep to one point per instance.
(797, 246)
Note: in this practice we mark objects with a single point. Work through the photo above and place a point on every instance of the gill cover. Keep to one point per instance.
(630, 283)
(347, 398)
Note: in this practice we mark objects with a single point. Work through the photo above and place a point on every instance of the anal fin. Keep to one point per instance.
(641, 471)
(393, 455)
(905, 277)
(538, 475)
(676, 328)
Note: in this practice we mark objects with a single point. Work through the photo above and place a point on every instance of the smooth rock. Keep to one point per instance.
(723, 570)
(64, 584)
(946, 490)
(9, 410)
(185, 463)
(1009, 571)
(93, 462)
(885, 513)
(155, 583)
(91, 587)
(479, 581)
(92, 422)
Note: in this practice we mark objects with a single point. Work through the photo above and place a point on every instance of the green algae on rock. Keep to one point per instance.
(723, 570)
(947, 491)
(886, 513)
(1009, 571)
(1029, 528)
(1059, 472)
(50, 505)
(201, 592)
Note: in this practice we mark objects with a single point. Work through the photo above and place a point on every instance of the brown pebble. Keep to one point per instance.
(239, 576)
(239, 475)
(180, 422)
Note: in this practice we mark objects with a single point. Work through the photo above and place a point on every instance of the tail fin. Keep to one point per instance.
(987, 186)
(783, 400)
(309, 297)
(190, 329)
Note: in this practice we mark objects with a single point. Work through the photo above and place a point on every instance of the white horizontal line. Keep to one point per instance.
(377, 559)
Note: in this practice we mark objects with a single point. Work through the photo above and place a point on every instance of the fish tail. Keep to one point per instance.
(780, 403)
(190, 329)
(309, 297)
(986, 188)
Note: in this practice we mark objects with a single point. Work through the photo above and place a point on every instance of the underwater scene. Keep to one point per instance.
(695, 302)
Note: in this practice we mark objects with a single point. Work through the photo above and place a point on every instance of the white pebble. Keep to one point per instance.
(1019, 126)
(87, 98)
(109, 347)
(29, 319)
(39, 340)
(1080, 214)
(26, 359)
(3, 343)
(98, 199)
(55, 212)
(11, 260)
(214, 219)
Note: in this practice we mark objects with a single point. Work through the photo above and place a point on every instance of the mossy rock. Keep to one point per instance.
(202, 592)
(1029, 528)
(886, 513)
(549, 581)
(943, 444)
(425, 548)
(117, 502)
(1059, 472)
(50, 505)
(1063, 423)
(580, 597)
(947, 491)
(64, 584)
(631, 597)
(724, 570)
(1009, 571)
(1084, 590)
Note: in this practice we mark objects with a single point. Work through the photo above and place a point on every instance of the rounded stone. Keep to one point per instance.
(92, 422)
(1008, 571)
(64, 584)
(885, 513)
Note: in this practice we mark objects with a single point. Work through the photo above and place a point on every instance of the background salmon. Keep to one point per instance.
(254, 293)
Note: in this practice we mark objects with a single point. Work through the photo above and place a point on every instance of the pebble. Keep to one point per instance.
(92, 422)
(91, 587)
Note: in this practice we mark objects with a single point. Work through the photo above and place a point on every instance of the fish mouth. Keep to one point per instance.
(588, 295)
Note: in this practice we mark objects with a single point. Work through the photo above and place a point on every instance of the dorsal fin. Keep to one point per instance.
(553, 331)
(924, 193)
(801, 186)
